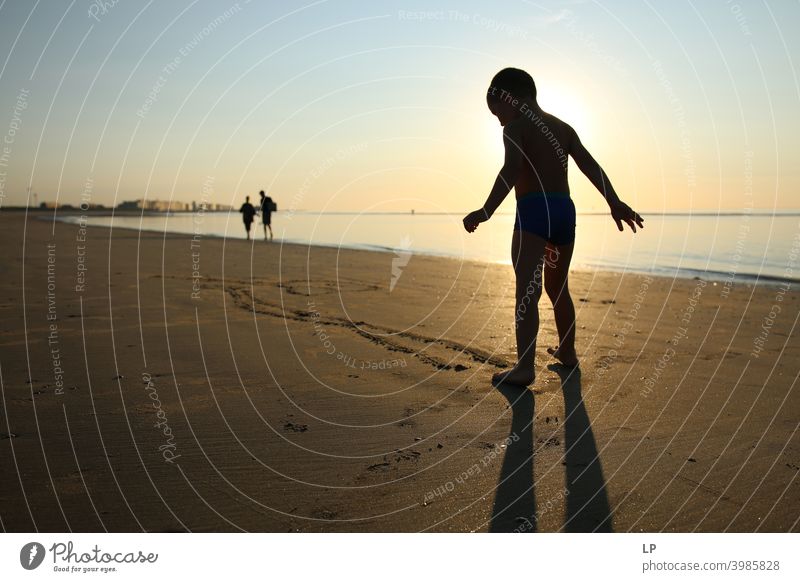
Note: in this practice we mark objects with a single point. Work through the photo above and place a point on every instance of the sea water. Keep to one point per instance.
(761, 247)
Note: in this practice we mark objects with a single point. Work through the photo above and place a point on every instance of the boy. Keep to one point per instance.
(248, 212)
(536, 148)
(266, 214)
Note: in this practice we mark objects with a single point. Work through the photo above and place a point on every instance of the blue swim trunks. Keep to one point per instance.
(549, 215)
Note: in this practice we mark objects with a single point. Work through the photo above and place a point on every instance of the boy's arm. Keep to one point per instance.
(508, 174)
(592, 169)
(620, 211)
(506, 178)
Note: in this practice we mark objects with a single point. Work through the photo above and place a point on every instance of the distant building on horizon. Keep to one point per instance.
(53, 205)
(153, 205)
(168, 206)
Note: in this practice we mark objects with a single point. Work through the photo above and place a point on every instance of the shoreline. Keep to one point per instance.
(715, 277)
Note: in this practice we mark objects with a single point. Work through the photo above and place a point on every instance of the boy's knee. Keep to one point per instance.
(531, 289)
(556, 291)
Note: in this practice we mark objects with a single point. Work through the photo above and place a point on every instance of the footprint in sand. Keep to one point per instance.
(406, 455)
(325, 514)
(293, 427)
(399, 456)
(549, 442)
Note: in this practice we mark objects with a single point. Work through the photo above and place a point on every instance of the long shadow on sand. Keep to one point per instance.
(515, 499)
(587, 502)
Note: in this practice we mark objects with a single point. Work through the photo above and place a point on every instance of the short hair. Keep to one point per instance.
(262, 192)
(513, 81)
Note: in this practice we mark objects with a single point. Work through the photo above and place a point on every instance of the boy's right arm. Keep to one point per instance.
(594, 172)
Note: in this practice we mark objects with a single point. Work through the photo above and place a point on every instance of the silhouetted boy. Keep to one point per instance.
(536, 148)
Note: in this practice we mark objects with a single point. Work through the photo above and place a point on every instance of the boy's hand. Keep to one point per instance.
(473, 219)
(621, 212)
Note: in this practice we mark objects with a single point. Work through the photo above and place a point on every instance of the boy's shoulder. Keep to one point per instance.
(565, 129)
(555, 120)
(545, 122)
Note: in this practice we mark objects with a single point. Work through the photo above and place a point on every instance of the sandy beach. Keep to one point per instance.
(165, 383)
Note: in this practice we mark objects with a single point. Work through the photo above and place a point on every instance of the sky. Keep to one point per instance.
(380, 106)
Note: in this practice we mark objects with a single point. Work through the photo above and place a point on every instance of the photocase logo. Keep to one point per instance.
(31, 555)
(400, 260)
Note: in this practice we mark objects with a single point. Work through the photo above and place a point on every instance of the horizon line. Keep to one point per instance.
(411, 212)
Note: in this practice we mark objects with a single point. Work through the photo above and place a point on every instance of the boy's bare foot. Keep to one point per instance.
(567, 358)
(514, 376)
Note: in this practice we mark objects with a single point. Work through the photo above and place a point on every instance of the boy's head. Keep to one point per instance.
(247, 198)
(508, 89)
(261, 194)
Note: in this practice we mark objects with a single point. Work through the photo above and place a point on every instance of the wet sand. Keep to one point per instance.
(169, 384)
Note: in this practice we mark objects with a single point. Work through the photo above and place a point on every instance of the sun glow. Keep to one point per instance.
(493, 139)
(561, 102)
(565, 105)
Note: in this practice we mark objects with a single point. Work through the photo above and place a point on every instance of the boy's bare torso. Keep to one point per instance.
(545, 144)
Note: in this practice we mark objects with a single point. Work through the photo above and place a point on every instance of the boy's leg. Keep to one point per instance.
(556, 283)
(527, 251)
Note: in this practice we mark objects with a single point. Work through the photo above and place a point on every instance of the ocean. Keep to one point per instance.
(755, 246)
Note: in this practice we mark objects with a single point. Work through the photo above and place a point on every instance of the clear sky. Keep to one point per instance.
(346, 105)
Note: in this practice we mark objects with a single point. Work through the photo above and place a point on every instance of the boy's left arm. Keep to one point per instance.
(506, 178)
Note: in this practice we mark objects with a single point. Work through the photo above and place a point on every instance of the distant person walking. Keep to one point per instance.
(267, 206)
(248, 213)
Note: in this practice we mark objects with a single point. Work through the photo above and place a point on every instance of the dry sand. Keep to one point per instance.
(295, 392)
